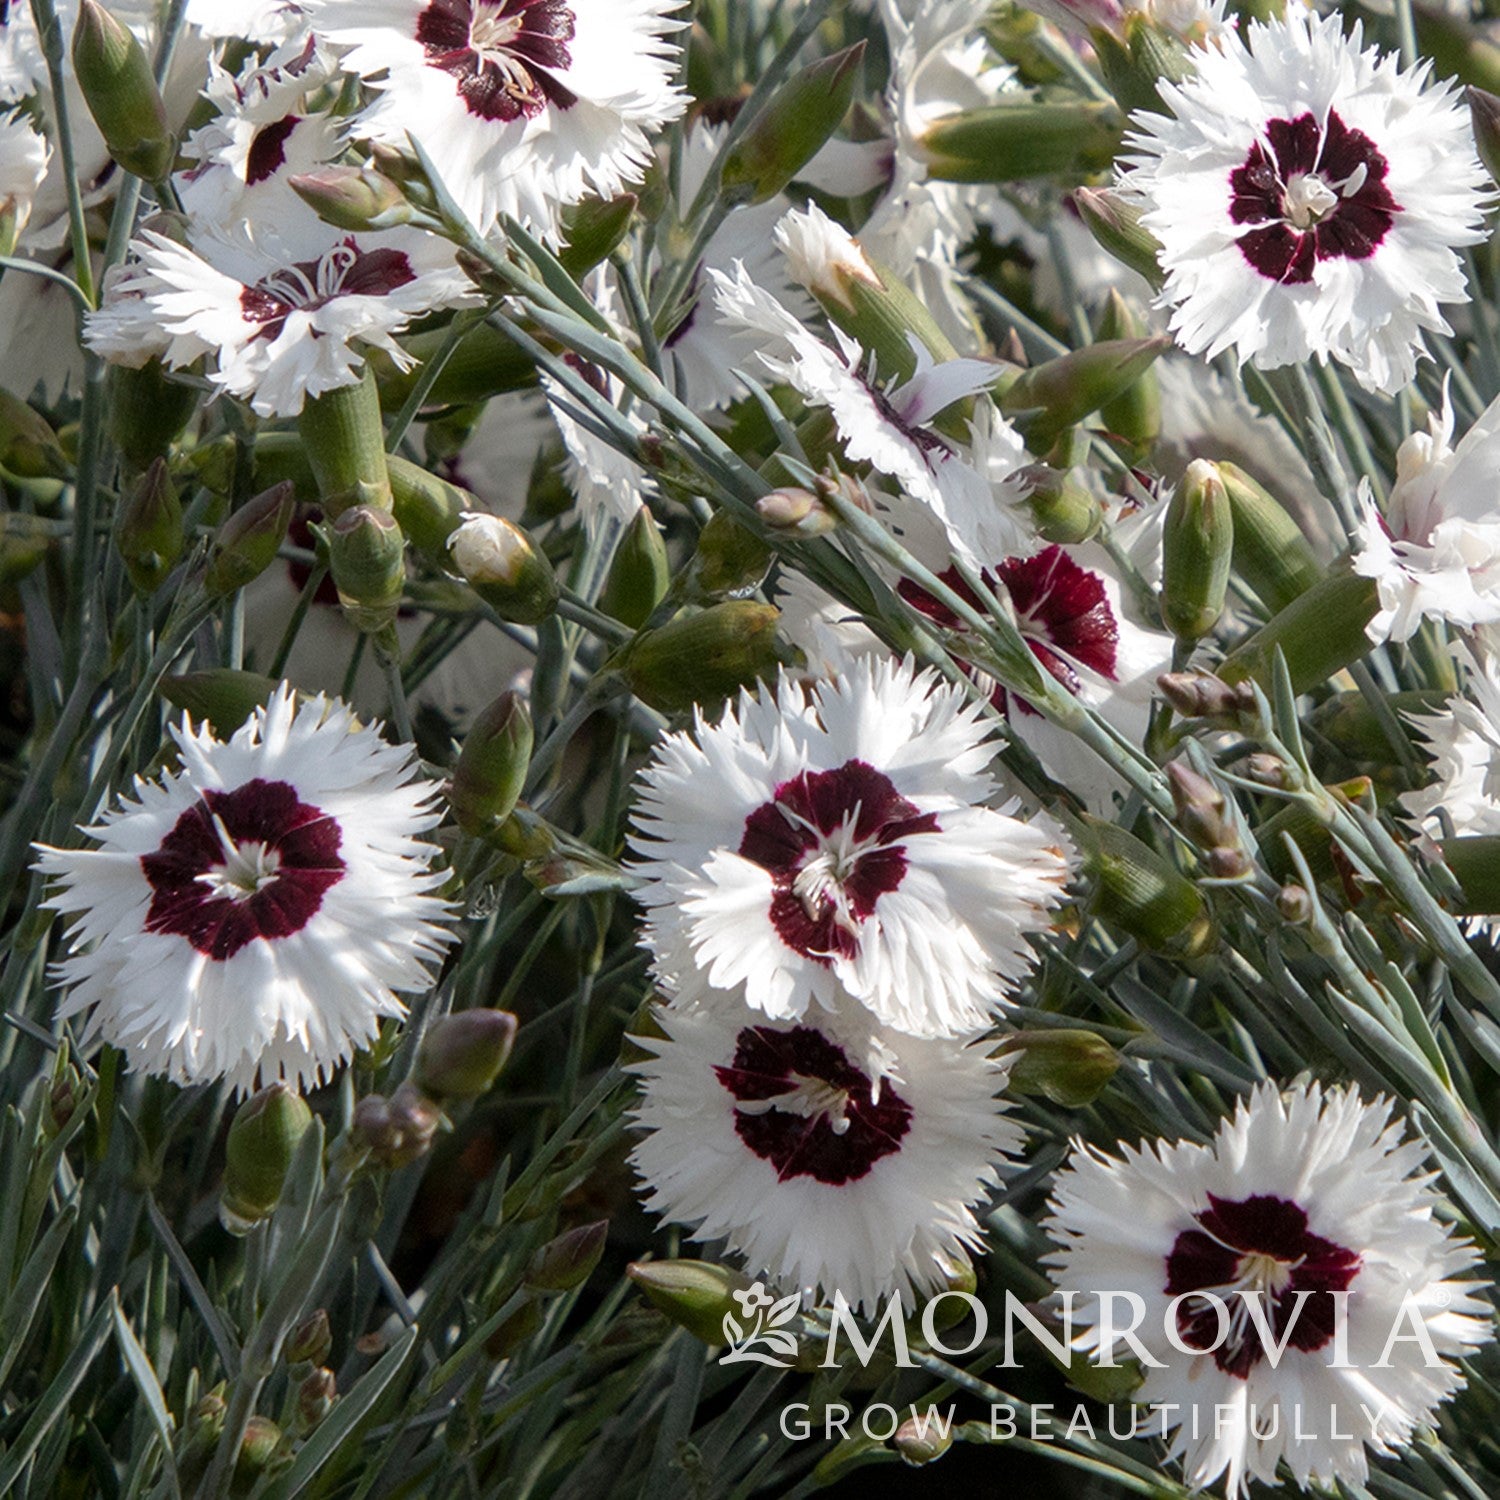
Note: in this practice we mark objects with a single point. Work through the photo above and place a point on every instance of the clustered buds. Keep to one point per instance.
(396, 1131)
(1203, 815)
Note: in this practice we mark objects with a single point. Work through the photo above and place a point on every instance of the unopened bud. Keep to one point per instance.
(354, 198)
(1026, 139)
(792, 128)
(729, 559)
(1319, 633)
(1269, 770)
(258, 1448)
(367, 557)
(703, 657)
(1200, 806)
(1270, 551)
(1294, 904)
(922, 1440)
(115, 75)
(1067, 1066)
(796, 510)
(1484, 114)
(28, 445)
(1050, 397)
(505, 568)
(1136, 56)
(249, 540)
(315, 1398)
(565, 1263)
(398, 1130)
(223, 696)
(311, 1341)
(148, 410)
(1064, 510)
(694, 1294)
(24, 544)
(1141, 892)
(515, 1332)
(1197, 544)
(428, 509)
(593, 230)
(1116, 225)
(148, 528)
(1201, 695)
(62, 1099)
(1227, 863)
(463, 1053)
(1135, 414)
(639, 574)
(492, 765)
(258, 1154)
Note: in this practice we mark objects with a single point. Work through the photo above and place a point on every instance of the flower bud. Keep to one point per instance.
(115, 75)
(463, 1053)
(249, 540)
(258, 1449)
(1197, 542)
(792, 128)
(262, 1142)
(1201, 695)
(1135, 414)
(311, 1341)
(694, 1294)
(1200, 805)
(1069, 1067)
(564, 1264)
(354, 198)
(62, 1099)
(315, 1398)
(492, 765)
(1025, 139)
(729, 559)
(148, 528)
(593, 230)
(1143, 893)
(796, 510)
(1270, 552)
(427, 509)
(922, 1440)
(1347, 721)
(1484, 114)
(1294, 904)
(703, 656)
(1064, 510)
(148, 410)
(1320, 632)
(1135, 57)
(24, 544)
(504, 567)
(1116, 225)
(639, 575)
(398, 1130)
(1050, 397)
(28, 445)
(367, 557)
(221, 695)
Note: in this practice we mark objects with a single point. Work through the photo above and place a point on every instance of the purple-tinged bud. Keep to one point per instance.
(311, 1341)
(564, 1264)
(1295, 905)
(354, 198)
(924, 1439)
(259, 1448)
(315, 1398)
(463, 1053)
(249, 540)
(148, 529)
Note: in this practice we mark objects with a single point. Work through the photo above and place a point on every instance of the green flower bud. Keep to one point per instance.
(1069, 1067)
(1270, 552)
(1050, 397)
(1116, 225)
(221, 695)
(311, 1341)
(798, 510)
(504, 567)
(1320, 632)
(1029, 138)
(703, 656)
(148, 411)
(1134, 415)
(1197, 543)
(593, 230)
(492, 765)
(729, 559)
(639, 574)
(262, 1142)
(1475, 863)
(1137, 60)
(792, 128)
(344, 440)
(24, 544)
(367, 557)
(428, 509)
(693, 1293)
(1143, 893)
(258, 1450)
(463, 1053)
(1064, 510)
(148, 528)
(249, 540)
(28, 445)
(564, 1264)
(922, 1440)
(355, 198)
(315, 1398)
(115, 75)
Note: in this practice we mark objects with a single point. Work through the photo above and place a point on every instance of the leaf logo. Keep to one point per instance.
(766, 1337)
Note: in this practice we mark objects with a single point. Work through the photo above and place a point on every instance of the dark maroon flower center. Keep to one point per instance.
(1062, 610)
(1310, 194)
(833, 842)
(268, 149)
(501, 53)
(241, 865)
(345, 271)
(809, 1111)
(1257, 1244)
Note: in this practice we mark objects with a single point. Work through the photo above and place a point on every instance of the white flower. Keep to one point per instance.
(248, 20)
(603, 479)
(1304, 1192)
(807, 847)
(283, 316)
(23, 164)
(971, 489)
(525, 105)
(1308, 197)
(832, 1157)
(1435, 553)
(255, 912)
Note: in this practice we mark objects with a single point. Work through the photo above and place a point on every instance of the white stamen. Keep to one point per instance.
(1307, 199)
(810, 1098)
(248, 868)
